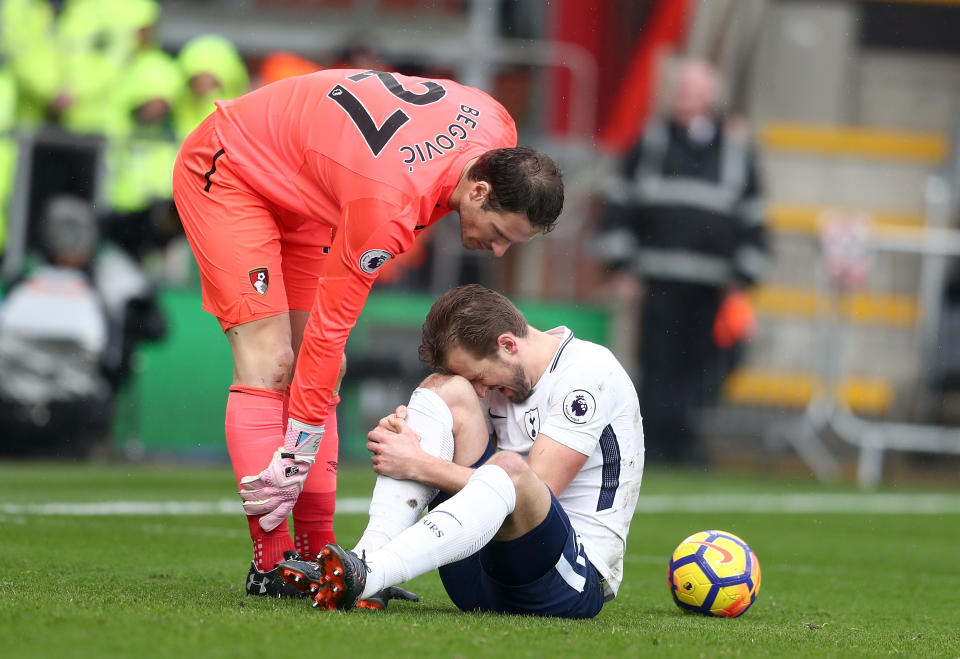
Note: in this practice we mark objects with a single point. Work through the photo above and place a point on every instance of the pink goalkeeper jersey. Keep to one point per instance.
(374, 156)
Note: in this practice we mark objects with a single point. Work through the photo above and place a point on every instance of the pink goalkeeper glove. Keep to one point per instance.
(273, 492)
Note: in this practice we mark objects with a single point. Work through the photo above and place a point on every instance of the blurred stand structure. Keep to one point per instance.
(835, 90)
(856, 104)
(880, 391)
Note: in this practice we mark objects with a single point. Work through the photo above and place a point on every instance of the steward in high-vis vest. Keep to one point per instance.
(99, 40)
(28, 42)
(67, 56)
(213, 70)
(140, 154)
(685, 215)
(8, 145)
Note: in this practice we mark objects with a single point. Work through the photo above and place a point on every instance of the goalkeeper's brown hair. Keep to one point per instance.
(522, 180)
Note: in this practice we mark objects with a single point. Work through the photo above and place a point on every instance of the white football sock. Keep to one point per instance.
(452, 531)
(396, 504)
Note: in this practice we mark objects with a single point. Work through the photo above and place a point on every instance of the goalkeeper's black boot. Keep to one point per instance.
(270, 583)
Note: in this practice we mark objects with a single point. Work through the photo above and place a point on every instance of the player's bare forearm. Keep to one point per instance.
(446, 476)
(396, 453)
(555, 464)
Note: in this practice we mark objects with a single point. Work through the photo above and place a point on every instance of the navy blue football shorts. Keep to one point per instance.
(544, 572)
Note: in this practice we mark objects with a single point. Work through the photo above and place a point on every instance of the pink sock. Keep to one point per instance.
(254, 428)
(313, 521)
(313, 513)
(268, 546)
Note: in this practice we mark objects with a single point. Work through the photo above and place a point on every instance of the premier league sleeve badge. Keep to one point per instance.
(579, 406)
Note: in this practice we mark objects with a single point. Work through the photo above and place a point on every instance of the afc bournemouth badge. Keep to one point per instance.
(374, 259)
(260, 279)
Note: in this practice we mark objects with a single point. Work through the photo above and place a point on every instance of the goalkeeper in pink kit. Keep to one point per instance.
(293, 197)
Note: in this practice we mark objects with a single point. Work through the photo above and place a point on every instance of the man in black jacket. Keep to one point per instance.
(684, 215)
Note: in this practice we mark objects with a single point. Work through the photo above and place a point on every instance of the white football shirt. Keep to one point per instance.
(586, 401)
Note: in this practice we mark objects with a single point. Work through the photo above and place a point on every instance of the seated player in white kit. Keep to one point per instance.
(534, 442)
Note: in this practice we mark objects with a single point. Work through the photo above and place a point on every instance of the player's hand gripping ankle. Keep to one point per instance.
(272, 493)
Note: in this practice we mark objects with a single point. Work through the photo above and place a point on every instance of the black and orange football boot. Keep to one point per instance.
(270, 583)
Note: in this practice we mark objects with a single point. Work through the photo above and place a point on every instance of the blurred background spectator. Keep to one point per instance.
(141, 147)
(684, 217)
(97, 41)
(31, 52)
(8, 143)
(68, 330)
(212, 69)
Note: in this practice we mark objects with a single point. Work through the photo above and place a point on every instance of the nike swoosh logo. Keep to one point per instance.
(495, 416)
(726, 553)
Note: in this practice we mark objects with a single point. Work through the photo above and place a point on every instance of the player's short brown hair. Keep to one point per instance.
(470, 317)
(522, 180)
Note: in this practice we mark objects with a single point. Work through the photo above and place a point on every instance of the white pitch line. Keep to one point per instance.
(919, 504)
(812, 503)
(349, 506)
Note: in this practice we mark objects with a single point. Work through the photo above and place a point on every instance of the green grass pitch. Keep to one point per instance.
(845, 573)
